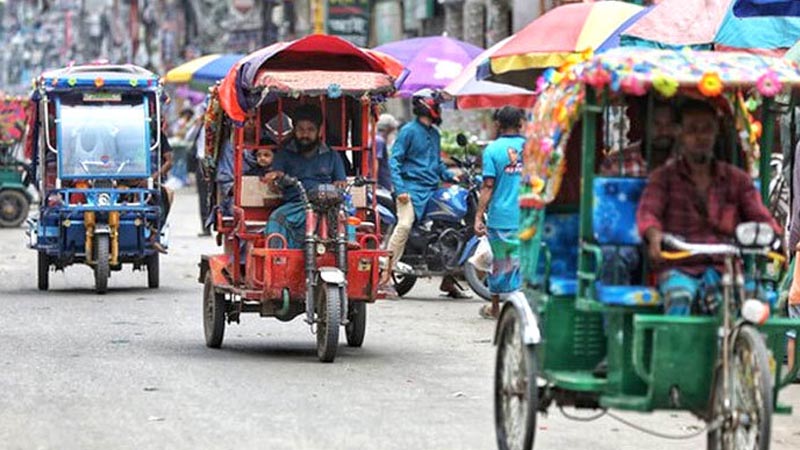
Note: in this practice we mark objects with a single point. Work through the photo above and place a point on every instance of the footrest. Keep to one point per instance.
(627, 402)
(576, 380)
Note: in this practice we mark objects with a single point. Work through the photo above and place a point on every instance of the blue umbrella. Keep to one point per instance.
(216, 69)
(756, 8)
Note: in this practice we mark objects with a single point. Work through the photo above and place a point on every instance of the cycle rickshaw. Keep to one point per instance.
(726, 368)
(15, 200)
(96, 141)
(333, 277)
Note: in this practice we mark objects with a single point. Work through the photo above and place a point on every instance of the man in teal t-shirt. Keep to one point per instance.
(502, 170)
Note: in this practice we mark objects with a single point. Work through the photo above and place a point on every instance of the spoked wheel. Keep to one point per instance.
(327, 300)
(153, 268)
(749, 423)
(213, 314)
(14, 208)
(357, 327)
(515, 389)
(43, 275)
(101, 268)
(403, 283)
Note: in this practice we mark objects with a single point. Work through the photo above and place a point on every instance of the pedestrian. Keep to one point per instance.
(417, 168)
(502, 170)
(386, 127)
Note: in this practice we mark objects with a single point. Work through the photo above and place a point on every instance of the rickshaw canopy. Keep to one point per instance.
(318, 82)
(126, 76)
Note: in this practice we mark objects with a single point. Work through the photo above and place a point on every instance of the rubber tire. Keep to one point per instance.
(404, 285)
(153, 271)
(101, 268)
(328, 306)
(43, 275)
(356, 329)
(748, 337)
(213, 314)
(18, 197)
(478, 286)
(508, 332)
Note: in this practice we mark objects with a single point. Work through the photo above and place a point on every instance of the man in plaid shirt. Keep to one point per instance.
(700, 199)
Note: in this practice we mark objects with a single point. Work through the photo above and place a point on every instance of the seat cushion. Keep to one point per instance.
(628, 295)
(560, 234)
(563, 286)
(614, 210)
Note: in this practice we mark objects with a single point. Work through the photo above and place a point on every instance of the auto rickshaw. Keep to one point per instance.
(334, 275)
(725, 367)
(96, 141)
(15, 200)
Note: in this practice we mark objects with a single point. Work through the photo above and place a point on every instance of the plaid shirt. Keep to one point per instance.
(632, 164)
(670, 203)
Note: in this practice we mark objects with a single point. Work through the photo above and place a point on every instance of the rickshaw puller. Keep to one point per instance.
(700, 199)
(417, 169)
(308, 159)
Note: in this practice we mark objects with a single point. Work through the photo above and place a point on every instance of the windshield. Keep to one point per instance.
(103, 140)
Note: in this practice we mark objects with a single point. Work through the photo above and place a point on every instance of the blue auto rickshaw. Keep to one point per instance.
(97, 145)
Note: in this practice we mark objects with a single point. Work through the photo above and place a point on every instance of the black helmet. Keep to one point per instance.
(425, 102)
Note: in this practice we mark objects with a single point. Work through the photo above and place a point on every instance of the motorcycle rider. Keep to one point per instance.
(417, 169)
(502, 170)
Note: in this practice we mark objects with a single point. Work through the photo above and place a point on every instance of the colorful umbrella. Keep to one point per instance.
(433, 62)
(757, 8)
(703, 23)
(203, 71)
(471, 93)
(549, 40)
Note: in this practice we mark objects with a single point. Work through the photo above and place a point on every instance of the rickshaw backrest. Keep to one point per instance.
(560, 234)
(614, 210)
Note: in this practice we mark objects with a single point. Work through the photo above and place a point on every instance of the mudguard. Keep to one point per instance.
(332, 275)
(529, 328)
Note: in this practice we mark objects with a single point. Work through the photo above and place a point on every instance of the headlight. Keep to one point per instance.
(104, 199)
(755, 234)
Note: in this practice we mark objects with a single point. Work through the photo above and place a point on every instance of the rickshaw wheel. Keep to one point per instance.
(213, 314)
(329, 312)
(403, 283)
(515, 388)
(357, 327)
(14, 208)
(153, 269)
(43, 275)
(751, 397)
(101, 269)
(478, 281)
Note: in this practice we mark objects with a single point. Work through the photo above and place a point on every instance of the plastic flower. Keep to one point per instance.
(133, 82)
(755, 131)
(597, 77)
(633, 85)
(537, 184)
(99, 82)
(72, 82)
(541, 84)
(769, 84)
(665, 85)
(334, 90)
(710, 85)
(54, 82)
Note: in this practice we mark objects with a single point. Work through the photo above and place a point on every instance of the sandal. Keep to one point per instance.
(456, 293)
(389, 292)
(485, 311)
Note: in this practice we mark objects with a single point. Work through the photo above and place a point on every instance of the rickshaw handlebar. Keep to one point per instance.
(685, 249)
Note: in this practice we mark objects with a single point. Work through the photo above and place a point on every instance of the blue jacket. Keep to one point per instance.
(416, 164)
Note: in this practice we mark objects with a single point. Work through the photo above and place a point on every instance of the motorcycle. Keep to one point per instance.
(441, 242)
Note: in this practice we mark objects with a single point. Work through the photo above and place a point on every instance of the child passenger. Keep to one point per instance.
(259, 163)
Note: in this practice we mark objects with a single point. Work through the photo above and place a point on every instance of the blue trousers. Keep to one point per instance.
(289, 220)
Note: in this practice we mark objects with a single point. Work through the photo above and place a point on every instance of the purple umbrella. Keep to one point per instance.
(434, 61)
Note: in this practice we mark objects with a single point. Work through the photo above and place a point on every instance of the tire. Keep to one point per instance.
(515, 389)
(328, 305)
(403, 283)
(749, 361)
(153, 269)
(357, 327)
(213, 314)
(43, 275)
(101, 268)
(477, 280)
(14, 207)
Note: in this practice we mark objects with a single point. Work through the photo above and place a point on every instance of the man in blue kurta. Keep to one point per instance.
(417, 169)
(308, 159)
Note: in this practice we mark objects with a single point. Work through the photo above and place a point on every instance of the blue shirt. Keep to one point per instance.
(384, 171)
(502, 160)
(416, 164)
(322, 166)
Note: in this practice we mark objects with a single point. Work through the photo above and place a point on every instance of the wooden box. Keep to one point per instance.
(255, 193)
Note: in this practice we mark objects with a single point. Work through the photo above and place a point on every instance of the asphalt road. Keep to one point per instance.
(130, 370)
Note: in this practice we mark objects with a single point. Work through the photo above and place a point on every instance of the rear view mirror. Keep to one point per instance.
(461, 140)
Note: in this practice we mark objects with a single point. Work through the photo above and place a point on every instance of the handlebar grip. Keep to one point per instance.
(672, 256)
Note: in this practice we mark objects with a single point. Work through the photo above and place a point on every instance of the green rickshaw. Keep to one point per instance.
(725, 367)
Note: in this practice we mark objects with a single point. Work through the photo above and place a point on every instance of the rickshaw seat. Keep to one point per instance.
(615, 201)
(560, 237)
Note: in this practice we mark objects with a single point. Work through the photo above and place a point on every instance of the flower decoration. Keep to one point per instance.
(755, 131)
(537, 184)
(99, 82)
(133, 82)
(597, 77)
(752, 104)
(633, 85)
(710, 84)
(769, 84)
(541, 84)
(334, 90)
(72, 82)
(54, 82)
(665, 85)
